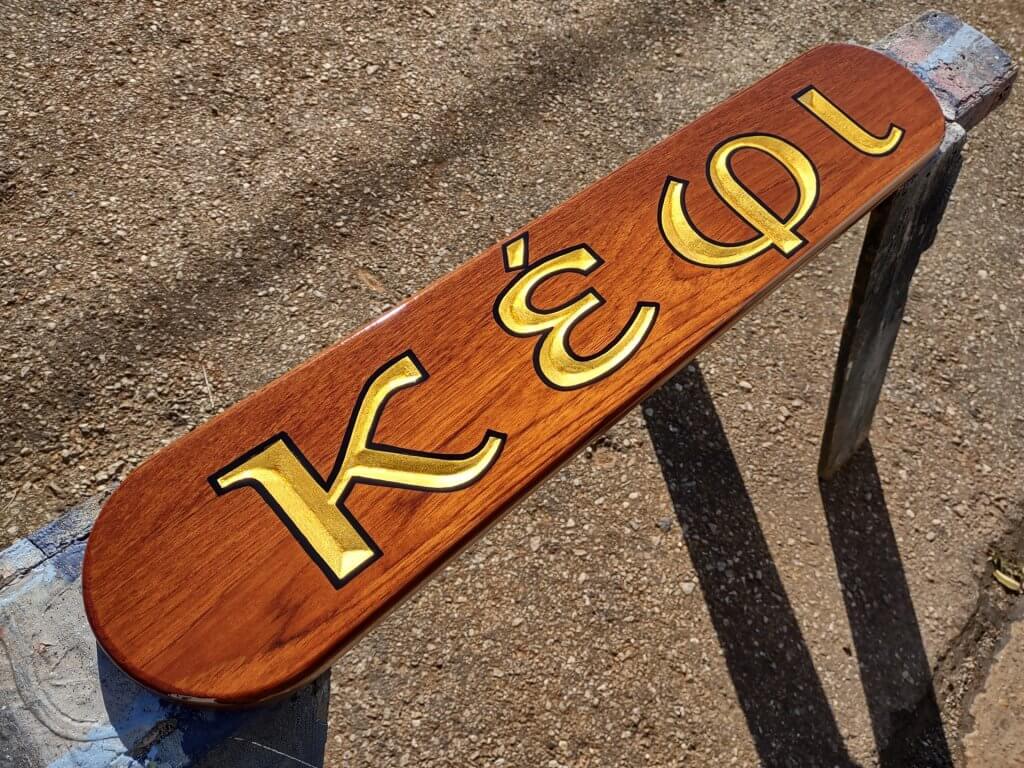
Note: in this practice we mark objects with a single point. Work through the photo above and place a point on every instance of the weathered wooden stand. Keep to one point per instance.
(970, 76)
(63, 704)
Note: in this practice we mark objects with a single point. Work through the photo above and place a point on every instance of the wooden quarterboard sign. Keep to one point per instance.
(237, 563)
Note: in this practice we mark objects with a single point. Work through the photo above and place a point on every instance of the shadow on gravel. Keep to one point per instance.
(567, 59)
(787, 712)
(894, 668)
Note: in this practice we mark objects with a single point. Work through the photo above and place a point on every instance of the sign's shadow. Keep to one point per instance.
(786, 708)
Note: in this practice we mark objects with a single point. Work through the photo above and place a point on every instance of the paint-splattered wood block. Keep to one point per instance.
(63, 704)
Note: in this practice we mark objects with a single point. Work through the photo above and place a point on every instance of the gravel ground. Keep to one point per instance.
(195, 197)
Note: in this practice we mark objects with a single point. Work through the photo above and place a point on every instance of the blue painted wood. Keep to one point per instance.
(63, 704)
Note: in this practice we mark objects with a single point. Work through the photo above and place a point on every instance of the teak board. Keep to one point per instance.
(240, 561)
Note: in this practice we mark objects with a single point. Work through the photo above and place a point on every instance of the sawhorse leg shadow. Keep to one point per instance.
(785, 706)
(886, 635)
(778, 688)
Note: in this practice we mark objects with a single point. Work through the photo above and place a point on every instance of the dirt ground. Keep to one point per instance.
(196, 196)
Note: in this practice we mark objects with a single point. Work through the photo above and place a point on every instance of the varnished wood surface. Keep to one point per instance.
(211, 598)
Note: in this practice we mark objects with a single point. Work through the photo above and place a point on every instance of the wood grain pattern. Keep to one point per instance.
(211, 598)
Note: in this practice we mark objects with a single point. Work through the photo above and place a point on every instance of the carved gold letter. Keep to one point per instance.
(687, 242)
(555, 362)
(815, 102)
(314, 510)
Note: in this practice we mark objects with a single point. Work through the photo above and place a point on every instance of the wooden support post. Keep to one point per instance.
(970, 75)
